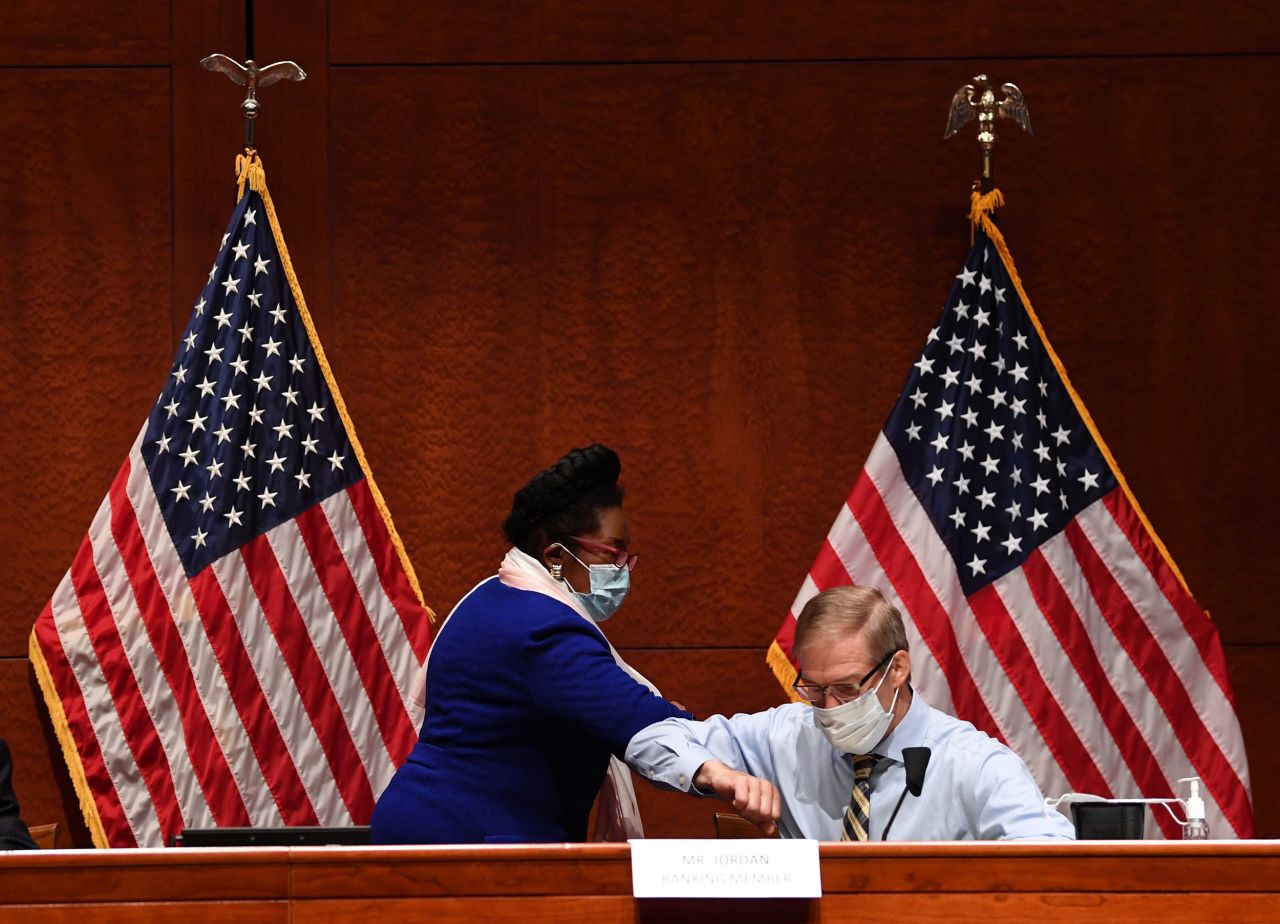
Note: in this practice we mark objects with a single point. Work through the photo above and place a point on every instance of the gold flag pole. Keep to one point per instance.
(979, 99)
(250, 76)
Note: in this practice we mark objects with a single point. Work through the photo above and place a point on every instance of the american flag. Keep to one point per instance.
(1040, 605)
(238, 636)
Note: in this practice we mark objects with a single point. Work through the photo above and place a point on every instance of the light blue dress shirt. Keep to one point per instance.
(975, 788)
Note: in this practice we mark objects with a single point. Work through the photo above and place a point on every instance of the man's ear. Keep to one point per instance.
(902, 667)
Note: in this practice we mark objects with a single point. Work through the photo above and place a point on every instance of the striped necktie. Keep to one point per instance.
(857, 817)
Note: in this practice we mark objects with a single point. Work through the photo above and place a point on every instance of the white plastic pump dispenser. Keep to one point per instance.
(1196, 827)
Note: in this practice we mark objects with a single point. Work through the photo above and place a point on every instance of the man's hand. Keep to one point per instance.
(754, 799)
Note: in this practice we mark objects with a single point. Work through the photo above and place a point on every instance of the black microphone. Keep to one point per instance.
(917, 761)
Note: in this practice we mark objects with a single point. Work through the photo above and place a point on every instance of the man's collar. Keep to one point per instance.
(910, 731)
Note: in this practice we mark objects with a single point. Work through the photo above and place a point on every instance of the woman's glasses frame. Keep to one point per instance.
(621, 557)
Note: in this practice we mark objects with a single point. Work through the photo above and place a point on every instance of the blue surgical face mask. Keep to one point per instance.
(609, 586)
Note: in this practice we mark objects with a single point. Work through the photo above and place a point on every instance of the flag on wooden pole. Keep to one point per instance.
(237, 639)
(1040, 604)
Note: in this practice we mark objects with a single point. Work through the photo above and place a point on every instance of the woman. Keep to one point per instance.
(526, 699)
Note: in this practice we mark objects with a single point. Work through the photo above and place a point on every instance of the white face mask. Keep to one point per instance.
(857, 726)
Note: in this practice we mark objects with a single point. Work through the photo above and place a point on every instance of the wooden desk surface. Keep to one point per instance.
(1135, 881)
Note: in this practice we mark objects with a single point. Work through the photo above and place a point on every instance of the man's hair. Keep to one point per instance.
(853, 610)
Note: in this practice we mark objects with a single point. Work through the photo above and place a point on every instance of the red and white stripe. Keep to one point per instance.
(275, 687)
(1090, 661)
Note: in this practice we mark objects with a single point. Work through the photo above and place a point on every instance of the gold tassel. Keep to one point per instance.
(249, 170)
(980, 206)
(70, 753)
(783, 669)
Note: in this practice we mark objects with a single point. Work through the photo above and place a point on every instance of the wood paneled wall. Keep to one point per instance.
(711, 235)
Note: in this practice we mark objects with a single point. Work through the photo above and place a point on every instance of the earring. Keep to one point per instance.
(555, 571)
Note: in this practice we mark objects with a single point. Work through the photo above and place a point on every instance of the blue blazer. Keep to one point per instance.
(524, 706)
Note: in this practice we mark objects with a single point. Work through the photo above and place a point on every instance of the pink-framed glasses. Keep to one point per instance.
(621, 557)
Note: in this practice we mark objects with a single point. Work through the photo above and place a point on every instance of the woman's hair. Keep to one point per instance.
(564, 500)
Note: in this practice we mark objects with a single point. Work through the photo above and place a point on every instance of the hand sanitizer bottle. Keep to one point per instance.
(1196, 828)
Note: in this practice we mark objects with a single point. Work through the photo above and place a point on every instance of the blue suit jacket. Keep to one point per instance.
(524, 706)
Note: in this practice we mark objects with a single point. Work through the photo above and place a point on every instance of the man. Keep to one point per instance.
(13, 833)
(831, 767)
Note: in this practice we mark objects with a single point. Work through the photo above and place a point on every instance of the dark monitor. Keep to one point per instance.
(357, 836)
(1109, 821)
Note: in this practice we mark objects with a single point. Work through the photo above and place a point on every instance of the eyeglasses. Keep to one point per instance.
(815, 693)
(621, 557)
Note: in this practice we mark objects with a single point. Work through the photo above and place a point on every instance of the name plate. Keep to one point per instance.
(747, 868)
